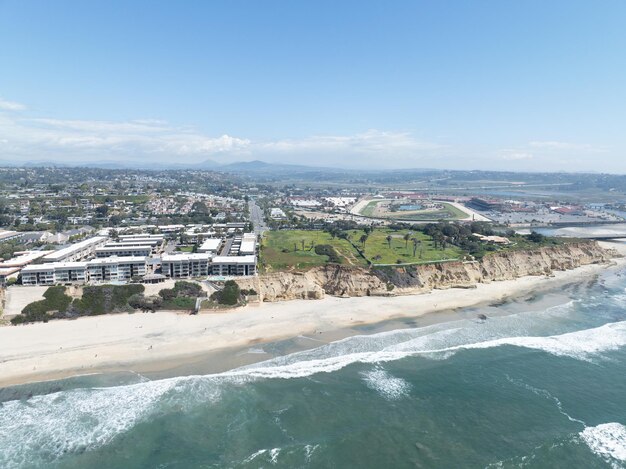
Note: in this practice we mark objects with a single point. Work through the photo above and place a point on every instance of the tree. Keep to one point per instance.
(102, 210)
(406, 239)
(363, 239)
(229, 295)
(389, 238)
(415, 244)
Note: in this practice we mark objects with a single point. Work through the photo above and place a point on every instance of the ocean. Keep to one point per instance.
(541, 383)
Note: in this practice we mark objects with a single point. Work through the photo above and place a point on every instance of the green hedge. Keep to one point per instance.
(103, 299)
(55, 300)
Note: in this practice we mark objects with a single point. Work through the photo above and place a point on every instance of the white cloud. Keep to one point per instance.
(70, 140)
(372, 141)
(513, 155)
(565, 146)
(11, 106)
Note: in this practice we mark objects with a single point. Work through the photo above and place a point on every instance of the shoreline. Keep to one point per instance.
(156, 342)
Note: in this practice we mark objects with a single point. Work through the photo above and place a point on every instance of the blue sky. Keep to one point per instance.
(519, 85)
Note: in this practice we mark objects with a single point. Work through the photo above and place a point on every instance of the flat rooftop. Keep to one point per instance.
(234, 260)
(68, 251)
(186, 257)
(24, 257)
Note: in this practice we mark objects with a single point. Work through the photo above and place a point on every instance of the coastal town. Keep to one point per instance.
(95, 227)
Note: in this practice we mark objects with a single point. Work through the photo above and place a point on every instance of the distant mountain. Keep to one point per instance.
(255, 166)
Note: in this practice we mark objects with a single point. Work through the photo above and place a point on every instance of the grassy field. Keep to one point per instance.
(448, 212)
(380, 251)
(368, 210)
(283, 250)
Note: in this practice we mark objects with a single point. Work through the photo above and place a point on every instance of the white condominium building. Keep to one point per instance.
(54, 272)
(96, 270)
(248, 244)
(210, 245)
(140, 238)
(185, 265)
(116, 268)
(124, 251)
(77, 251)
(153, 243)
(233, 265)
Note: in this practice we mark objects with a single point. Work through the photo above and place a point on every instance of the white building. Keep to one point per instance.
(159, 238)
(9, 235)
(277, 214)
(23, 258)
(124, 251)
(116, 269)
(77, 251)
(248, 244)
(233, 265)
(153, 243)
(185, 265)
(54, 273)
(97, 270)
(211, 245)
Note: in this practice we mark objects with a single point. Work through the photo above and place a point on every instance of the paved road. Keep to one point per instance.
(257, 217)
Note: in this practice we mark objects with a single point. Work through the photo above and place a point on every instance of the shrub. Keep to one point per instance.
(105, 299)
(329, 251)
(55, 300)
(229, 295)
(145, 303)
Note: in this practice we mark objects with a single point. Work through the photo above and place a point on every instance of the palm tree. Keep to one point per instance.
(362, 239)
(406, 239)
(415, 244)
(389, 241)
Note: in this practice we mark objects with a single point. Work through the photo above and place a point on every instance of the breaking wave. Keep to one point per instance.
(42, 429)
(608, 441)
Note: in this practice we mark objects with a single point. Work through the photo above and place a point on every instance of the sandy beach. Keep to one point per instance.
(145, 341)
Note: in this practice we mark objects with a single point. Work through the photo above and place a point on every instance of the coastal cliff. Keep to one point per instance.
(342, 280)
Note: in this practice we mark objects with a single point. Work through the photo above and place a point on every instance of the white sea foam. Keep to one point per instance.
(254, 455)
(547, 395)
(52, 425)
(308, 452)
(274, 452)
(388, 386)
(581, 345)
(608, 441)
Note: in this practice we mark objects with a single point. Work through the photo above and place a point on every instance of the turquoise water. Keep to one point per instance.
(539, 387)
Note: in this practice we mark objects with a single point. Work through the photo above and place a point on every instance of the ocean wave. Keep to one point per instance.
(580, 345)
(385, 384)
(46, 427)
(608, 441)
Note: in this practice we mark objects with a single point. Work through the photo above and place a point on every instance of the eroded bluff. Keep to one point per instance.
(341, 280)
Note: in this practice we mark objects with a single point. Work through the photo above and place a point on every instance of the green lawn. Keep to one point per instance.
(449, 212)
(379, 251)
(368, 210)
(282, 250)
